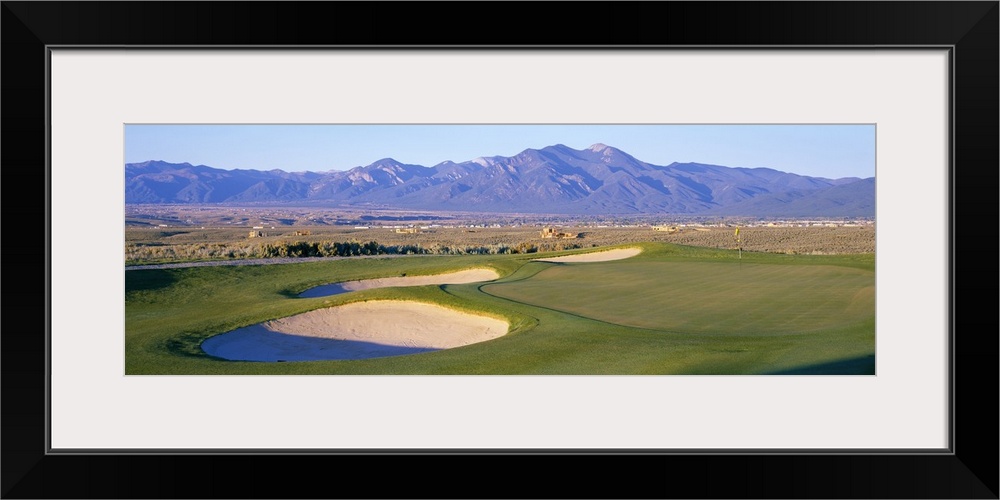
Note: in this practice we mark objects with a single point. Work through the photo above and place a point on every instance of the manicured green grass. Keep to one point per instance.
(702, 297)
(670, 310)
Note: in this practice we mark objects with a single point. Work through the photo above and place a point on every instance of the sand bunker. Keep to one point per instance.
(604, 256)
(356, 331)
(457, 278)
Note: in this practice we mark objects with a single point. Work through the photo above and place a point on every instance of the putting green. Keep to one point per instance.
(702, 297)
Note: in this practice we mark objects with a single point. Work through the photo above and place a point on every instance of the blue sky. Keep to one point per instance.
(831, 151)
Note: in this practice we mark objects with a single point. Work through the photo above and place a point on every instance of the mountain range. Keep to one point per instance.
(599, 180)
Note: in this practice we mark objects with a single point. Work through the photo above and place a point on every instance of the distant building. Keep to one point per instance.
(550, 232)
(667, 229)
(257, 234)
(408, 230)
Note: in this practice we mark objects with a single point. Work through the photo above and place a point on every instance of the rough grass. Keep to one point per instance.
(600, 328)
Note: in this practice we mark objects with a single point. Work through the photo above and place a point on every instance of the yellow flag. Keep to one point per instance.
(737, 233)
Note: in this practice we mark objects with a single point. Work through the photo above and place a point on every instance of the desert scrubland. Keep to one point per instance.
(189, 234)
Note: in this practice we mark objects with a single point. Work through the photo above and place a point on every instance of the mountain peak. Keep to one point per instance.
(484, 161)
(597, 148)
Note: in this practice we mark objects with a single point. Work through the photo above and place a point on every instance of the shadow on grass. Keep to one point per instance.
(148, 279)
(863, 365)
(188, 345)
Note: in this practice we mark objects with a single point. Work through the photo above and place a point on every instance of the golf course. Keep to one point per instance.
(645, 309)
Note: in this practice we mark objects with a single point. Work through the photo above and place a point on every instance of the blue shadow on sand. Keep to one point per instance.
(256, 343)
(324, 291)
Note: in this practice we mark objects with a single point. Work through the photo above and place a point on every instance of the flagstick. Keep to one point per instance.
(739, 244)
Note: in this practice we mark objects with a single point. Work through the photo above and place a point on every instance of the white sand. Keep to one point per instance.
(356, 331)
(457, 278)
(604, 256)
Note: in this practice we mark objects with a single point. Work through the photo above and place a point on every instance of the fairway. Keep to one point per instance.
(671, 309)
(702, 297)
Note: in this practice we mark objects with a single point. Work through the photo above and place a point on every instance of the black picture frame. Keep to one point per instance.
(970, 29)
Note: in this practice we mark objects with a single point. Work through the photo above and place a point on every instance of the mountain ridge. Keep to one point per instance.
(555, 179)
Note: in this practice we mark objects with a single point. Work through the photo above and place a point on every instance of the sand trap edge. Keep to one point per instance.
(357, 330)
(476, 275)
(600, 256)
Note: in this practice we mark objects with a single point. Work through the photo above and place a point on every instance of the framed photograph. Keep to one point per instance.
(538, 261)
(94, 390)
